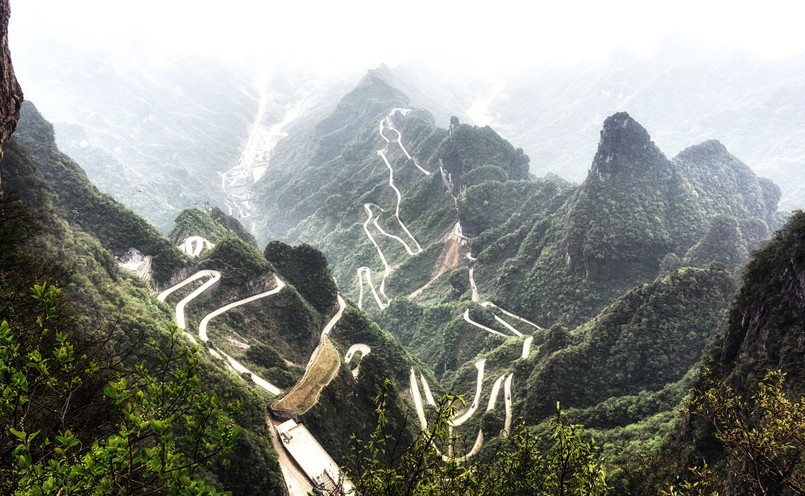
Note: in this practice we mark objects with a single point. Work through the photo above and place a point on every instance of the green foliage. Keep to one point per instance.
(522, 464)
(306, 268)
(239, 261)
(485, 173)
(108, 316)
(491, 204)
(765, 323)
(763, 438)
(166, 431)
(723, 242)
(647, 339)
(115, 226)
(215, 226)
(469, 147)
(233, 225)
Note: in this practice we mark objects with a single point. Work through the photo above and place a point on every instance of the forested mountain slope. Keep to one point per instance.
(107, 314)
(602, 296)
(58, 228)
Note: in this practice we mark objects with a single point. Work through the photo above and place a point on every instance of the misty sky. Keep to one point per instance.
(359, 34)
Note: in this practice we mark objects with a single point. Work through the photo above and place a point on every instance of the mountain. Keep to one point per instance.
(102, 303)
(551, 252)
(684, 93)
(57, 227)
(399, 256)
(80, 202)
(422, 224)
(159, 134)
(10, 91)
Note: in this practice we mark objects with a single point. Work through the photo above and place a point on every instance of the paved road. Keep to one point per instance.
(479, 325)
(342, 304)
(476, 298)
(420, 410)
(213, 275)
(194, 245)
(480, 364)
(237, 366)
(428, 394)
(494, 396)
(386, 267)
(507, 388)
(527, 346)
(479, 440)
(399, 199)
(394, 237)
(390, 125)
(361, 348)
(366, 273)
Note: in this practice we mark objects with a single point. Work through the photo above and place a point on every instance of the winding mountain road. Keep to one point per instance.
(361, 348)
(237, 366)
(479, 440)
(390, 125)
(392, 236)
(476, 298)
(420, 410)
(342, 305)
(507, 389)
(480, 364)
(428, 395)
(382, 154)
(194, 245)
(214, 277)
(364, 273)
(296, 483)
(479, 325)
(386, 267)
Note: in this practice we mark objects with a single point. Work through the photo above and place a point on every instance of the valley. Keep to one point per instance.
(301, 396)
(340, 314)
(255, 157)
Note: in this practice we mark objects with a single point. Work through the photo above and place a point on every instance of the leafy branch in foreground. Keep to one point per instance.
(764, 438)
(522, 464)
(163, 434)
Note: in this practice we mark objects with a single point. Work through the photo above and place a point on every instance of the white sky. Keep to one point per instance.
(360, 34)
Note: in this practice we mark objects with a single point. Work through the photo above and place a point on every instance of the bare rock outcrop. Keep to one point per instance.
(10, 91)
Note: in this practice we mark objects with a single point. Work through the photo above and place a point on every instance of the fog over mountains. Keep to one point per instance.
(197, 113)
(402, 249)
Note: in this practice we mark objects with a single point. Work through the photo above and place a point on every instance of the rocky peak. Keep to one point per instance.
(625, 148)
(708, 149)
(10, 91)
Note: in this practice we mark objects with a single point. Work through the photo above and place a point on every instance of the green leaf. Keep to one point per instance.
(110, 392)
(21, 435)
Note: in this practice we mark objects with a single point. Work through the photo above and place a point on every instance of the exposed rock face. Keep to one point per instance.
(10, 91)
(765, 328)
(625, 148)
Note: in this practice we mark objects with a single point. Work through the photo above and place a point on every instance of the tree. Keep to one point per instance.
(763, 438)
(163, 434)
(522, 464)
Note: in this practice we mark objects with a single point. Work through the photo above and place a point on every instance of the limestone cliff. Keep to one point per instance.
(10, 91)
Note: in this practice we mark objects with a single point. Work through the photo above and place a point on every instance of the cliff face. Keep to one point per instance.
(10, 91)
(765, 328)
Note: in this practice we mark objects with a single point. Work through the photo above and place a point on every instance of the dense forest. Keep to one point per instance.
(439, 320)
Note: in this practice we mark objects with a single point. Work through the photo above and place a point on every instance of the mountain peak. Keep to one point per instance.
(625, 147)
(381, 74)
(707, 149)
